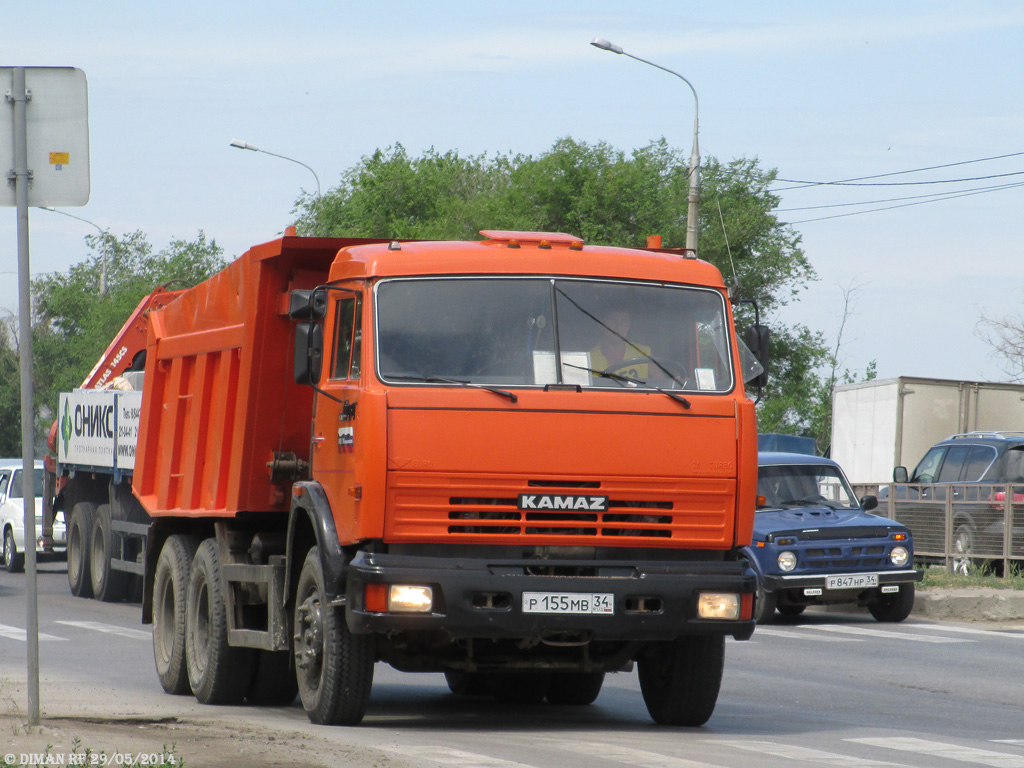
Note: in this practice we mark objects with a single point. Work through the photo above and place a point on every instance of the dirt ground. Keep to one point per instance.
(198, 737)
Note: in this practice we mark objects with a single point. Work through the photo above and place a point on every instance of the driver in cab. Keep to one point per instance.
(615, 353)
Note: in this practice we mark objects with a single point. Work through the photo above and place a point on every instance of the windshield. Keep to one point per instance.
(790, 486)
(37, 478)
(508, 331)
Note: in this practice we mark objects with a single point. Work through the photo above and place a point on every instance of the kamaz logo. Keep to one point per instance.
(554, 501)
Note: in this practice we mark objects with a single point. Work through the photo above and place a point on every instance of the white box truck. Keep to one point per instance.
(885, 423)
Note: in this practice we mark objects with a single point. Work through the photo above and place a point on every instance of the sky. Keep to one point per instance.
(818, 91)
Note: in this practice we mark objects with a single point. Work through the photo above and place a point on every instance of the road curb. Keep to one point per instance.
(973, 604)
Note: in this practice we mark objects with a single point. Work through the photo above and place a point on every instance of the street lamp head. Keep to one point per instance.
(243, 145)
(604, 45)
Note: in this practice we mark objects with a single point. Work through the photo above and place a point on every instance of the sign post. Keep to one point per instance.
(49, 119)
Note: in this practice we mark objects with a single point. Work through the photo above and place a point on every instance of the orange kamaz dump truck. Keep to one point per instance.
(523, 462)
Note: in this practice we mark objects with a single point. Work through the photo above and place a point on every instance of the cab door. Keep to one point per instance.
(335, 454)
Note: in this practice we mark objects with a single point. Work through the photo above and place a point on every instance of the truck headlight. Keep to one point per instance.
(899, 556)
(787, 561)
(719, 605)
(410, 599)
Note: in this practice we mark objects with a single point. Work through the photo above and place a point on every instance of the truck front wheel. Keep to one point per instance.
(79, 533)
(108, 585)
(333, 667)
(217, 672)
(170, 586)
(680, 679)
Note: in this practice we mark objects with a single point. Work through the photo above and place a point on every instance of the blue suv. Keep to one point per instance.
(814, 543)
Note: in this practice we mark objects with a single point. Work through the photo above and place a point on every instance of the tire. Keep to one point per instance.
(765, 602)
(79, 533)
(519, 687)
(217, 672)
(108, 585)
(170, 590)
(895, 606)
(273, 683)
(333, 667)
(14, 561)
(791, 611)
(680, 679)
(463, 683)
(963, 547)
(576, 689)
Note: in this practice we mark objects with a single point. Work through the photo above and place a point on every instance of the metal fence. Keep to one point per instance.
(968, 528)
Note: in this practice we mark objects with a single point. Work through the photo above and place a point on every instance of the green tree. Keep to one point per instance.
(10, 391)
(74, 323)
(604, 196)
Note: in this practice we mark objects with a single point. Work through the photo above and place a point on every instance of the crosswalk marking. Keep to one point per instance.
(803, 635)
(852, 630)
(947, 751)
(109, 629)
(640, 758)
(805, 754)
(16, 633)
(968, 631)
(453, 757)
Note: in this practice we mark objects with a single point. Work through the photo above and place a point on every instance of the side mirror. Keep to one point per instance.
(309, 353)
(306, 304)
(758, 339)
(899, 475)
(868, 503)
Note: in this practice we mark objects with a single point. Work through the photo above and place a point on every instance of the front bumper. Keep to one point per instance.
(478, 598)
(777, 583)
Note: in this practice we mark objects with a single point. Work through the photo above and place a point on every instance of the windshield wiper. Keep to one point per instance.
(631, 380)
(512, 396)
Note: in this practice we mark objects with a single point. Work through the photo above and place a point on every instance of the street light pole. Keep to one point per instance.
(693, 206)
(103, 233)
(239, 144)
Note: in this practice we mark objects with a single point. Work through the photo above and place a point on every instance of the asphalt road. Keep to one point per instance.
(831, 689)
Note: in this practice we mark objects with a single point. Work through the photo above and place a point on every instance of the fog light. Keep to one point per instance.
(899, 556)
(403, 598)
(719, 605)
(787, 561)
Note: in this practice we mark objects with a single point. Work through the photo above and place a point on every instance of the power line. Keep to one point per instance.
(936, 195)
(804, 184)
(949, 196)
(891, 183)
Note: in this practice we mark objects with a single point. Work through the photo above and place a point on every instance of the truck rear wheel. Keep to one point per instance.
(680, 679)
(170, 587)
(334, 668)
(274, 684)
(108, 585)
(217, 672)
(575, 689)
(79, 534)
(519, 687)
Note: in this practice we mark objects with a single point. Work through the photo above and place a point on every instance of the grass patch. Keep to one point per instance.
(940, 578)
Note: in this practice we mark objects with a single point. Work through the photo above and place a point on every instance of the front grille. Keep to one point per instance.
(658, 512)
(844, 557)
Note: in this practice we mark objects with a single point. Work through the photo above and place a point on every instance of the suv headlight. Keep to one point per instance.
(787, 561)
(899, 556)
